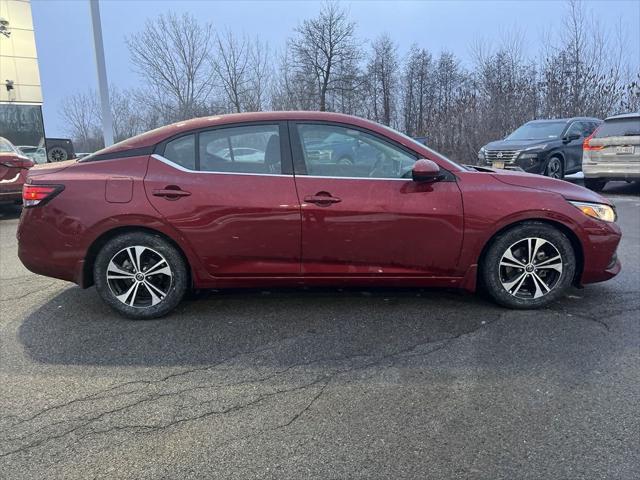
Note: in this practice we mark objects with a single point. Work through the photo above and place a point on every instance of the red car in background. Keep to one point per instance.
(150, 217)
(13, 172)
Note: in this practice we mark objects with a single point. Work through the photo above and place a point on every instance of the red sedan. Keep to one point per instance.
(264, 200)
(13, 172)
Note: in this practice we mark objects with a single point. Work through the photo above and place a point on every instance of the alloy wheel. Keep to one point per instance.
(530, 268)
(554, 168)
(139, 276)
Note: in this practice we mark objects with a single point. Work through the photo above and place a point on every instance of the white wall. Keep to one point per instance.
(18, 56)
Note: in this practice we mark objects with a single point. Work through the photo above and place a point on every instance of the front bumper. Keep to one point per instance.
(528, 165)
(600, 243)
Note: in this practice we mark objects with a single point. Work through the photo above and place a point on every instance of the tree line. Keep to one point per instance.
(189, 69)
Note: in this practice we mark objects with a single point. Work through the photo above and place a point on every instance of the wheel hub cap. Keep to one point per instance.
(139, 276)
(530, 268)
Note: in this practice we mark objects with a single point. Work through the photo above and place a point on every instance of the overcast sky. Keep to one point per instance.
(63, 32)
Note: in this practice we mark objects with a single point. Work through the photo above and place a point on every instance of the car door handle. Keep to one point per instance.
(171, 193)
(322, 198)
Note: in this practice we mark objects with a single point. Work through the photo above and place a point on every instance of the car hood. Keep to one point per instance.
(568, 190)
(517, 144)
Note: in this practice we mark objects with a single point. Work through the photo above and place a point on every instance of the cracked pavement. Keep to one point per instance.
(326, 383)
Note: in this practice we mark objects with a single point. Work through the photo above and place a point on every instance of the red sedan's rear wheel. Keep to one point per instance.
(140, 275)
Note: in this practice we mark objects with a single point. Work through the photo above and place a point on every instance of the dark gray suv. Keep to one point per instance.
(546, 147)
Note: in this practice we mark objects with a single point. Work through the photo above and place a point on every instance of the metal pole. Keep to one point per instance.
(103, 85)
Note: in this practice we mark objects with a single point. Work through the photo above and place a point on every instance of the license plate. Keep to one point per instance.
(624, 150)
(498, 164)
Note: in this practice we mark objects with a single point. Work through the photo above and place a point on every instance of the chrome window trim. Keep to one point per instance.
(354, 178)
(187, 170)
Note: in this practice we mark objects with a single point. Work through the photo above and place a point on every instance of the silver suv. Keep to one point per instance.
(612, 152)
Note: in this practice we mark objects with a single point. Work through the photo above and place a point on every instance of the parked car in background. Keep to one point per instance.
(546, 147)
(37, 154)
(13, 168)
(59, 149)
(342, 148)
(150, 217)
(612, 152)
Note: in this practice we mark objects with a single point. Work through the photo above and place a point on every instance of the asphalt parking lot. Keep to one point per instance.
(322, 383)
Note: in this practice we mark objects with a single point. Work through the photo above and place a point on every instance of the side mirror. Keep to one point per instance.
(425, 171)
(571, 137)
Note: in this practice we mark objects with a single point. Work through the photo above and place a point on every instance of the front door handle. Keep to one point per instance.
(322, 199)
(171, 193)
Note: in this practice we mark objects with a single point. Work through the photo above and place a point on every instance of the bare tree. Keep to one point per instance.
(231, 65)
(323, 46)
(581, 71)
(81, 115)
(382, 72)
(260, 73)
(171, 54)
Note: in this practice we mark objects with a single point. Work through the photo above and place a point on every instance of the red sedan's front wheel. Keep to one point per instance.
(528, 266)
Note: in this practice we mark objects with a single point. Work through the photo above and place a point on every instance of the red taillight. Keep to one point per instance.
(33, 195)
(587, 146)
(17, 163)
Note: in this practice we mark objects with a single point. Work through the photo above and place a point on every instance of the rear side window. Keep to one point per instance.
(619, 127)
(182, 151)
(244, 149)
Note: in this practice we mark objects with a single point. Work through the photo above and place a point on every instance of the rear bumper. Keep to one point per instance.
(612, 171)
(43, 250)
(11, 196)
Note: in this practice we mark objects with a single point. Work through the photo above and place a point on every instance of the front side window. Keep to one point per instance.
(336, 151)
(576, 128)
(182, 151)
(244, 149)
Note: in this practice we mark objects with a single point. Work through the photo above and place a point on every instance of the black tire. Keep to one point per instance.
(496, 277)
(57, 154)
(554, 168)
(154, 249)
(595, 184)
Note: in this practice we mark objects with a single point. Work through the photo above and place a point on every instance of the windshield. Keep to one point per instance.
(6, 147)
(538, 131)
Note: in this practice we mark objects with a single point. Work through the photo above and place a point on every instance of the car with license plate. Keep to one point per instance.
(151, 217)
(547, 147)
(612, 152)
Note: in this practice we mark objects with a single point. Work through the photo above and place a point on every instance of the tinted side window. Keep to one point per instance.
(335, 151)
(245, 149)
(575, 128)
(182, 151)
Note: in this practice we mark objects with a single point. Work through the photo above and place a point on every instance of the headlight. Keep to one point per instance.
(481, 154)
(597, 210)
(527, 156)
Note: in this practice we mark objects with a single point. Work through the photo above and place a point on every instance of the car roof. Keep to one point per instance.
(565, 120)
(623, 115)
(153, 137)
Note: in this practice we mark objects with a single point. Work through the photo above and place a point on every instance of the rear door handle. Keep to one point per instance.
(170, 193)
(322, 198)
